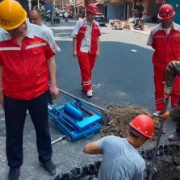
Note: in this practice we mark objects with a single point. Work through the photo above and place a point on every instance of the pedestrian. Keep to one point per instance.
(26, 60)
(172, 70)
(35, 17)
(86, 41)
(165, 40)
(120, 158)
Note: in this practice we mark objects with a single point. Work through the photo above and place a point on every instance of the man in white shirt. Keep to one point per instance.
(36, 18)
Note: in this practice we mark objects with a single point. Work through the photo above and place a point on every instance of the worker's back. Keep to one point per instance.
(120, 160)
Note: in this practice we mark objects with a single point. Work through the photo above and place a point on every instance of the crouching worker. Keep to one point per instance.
(120, 158)
(172, 70)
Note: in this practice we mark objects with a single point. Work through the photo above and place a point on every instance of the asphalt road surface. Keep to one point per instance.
(122, 76)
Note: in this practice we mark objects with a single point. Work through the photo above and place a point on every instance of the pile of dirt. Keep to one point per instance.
(116, 120)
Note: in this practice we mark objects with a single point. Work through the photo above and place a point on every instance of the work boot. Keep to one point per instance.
(175, 136)
(157, 113)
(14, 174)
(89, 93)
(50, 167)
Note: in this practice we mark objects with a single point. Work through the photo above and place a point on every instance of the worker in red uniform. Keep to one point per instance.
(26, 62)
(165, 40)
(86, 40)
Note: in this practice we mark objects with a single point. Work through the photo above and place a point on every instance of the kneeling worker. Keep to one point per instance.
(120, 158)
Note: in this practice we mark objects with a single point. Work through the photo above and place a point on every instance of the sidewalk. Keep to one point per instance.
(147, 27)
(66, 25)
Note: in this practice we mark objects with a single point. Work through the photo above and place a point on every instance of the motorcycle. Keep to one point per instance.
(66, 19)
(66, 16)
(138, 24)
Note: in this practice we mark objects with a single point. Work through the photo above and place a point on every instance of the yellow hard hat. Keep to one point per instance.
(12, 14)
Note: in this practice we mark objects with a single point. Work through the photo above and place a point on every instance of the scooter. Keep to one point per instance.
(139, 24)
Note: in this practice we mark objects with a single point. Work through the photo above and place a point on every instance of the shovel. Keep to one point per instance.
(157, 143)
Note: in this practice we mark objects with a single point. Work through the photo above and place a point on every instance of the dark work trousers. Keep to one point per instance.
(15, 114)
(178, 119)
(49, 96)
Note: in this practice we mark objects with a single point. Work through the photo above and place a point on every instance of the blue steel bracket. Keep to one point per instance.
(89, 136)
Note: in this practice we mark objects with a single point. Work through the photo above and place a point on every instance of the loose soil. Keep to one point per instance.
(168, 167)
(167, 163)
(116, 120)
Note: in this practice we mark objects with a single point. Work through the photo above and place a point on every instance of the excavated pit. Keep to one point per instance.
(167, 166)
(116, 122)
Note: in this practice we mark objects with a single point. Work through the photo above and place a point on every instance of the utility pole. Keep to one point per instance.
(38, 4)
(54, 3)
(74, 2)
(85, 7)
(52, 10)
(29, 5)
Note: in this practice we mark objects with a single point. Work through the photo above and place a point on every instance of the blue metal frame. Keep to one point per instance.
(72, 127)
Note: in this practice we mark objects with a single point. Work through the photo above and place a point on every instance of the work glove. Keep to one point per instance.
(168, 91)
(165, 115)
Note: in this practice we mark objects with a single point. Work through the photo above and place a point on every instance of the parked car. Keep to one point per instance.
(100, 19)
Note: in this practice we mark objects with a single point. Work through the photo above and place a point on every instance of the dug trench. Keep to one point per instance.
(116, 122)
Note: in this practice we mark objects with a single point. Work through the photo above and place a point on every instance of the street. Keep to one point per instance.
(123, 76)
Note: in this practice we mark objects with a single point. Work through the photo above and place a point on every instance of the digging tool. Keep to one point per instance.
(91, 104)
(158, 140)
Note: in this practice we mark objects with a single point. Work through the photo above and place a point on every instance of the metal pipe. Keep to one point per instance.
(91, 104)
(57, 140)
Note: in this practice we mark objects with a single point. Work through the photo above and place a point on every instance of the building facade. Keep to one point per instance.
(176, 5)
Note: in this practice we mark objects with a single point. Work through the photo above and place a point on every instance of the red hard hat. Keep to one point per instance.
(92, 9)
(144, 125)
(166, 12)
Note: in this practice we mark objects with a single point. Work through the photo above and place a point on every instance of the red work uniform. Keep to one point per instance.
(25, 71)
(87, 45)
(166, 44)
(25, 83)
